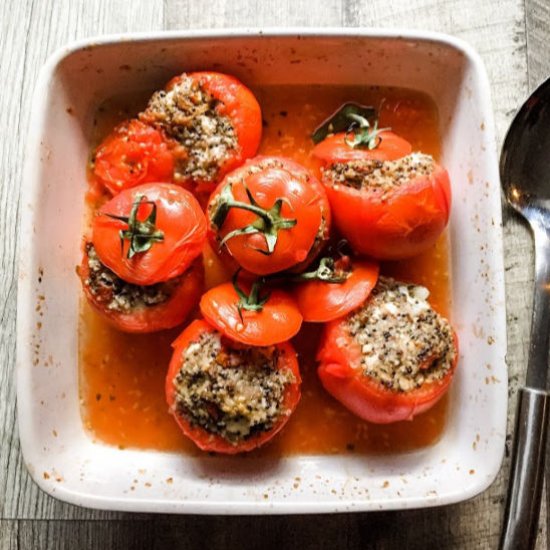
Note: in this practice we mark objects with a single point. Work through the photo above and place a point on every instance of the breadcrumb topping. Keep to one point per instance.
(380, 175)
(118, 295)
(234, 393)
(404, 342)
(189, 114)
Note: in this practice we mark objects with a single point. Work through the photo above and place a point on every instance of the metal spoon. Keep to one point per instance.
(525, 176)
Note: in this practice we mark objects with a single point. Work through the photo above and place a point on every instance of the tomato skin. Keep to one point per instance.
(278, 321)
(239, 104)
(320, 302)
(214, 442)
(167, 315)
(179, 216)
(133, 154)
(340, 373)
(277, 178)
(402, 225)
(335, 149)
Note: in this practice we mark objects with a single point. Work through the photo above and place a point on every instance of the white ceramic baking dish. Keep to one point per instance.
(60, 455)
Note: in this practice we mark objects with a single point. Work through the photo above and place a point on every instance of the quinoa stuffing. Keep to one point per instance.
(118, 295)
(233, 393)
(380, 175)
(189, 114)
(404, 342)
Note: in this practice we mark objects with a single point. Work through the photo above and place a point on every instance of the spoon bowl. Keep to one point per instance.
(525, 157)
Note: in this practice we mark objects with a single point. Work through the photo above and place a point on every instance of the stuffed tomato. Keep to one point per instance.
(269, 215)
(389, 210)
(215, 120)
(226, 397)
(135, 308)
(387, 201)
(150, 233)
(391, 359)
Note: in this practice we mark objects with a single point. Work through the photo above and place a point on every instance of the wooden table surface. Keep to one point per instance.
(512, 37)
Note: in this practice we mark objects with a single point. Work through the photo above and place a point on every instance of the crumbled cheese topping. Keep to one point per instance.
(234, 393)
(404, 342)
(118, 295)
(380, 175)
(188, 114)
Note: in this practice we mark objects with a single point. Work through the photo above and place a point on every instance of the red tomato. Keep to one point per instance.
(342, 376)
(132, 154)
(269, 319)
(320, 301)
(160, 249)
(184, 293)
(293, 218)
(206, 440)
(231, 99)
(400, 224)
(335, 149)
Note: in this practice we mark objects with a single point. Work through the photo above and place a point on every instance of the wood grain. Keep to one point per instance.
(8, 535)
(378, 531)
(537, 23)
(512, 39)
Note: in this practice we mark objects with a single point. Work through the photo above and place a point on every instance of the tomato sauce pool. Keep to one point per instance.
(122, 375)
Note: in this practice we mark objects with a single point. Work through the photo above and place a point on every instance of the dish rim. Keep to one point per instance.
(28, 192)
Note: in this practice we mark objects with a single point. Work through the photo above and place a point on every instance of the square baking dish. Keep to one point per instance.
(59, 453)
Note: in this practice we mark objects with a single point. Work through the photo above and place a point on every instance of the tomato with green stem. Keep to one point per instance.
(252, 318)
(336, 287)
(336, 148)
(388, 202)
(150, 233)
(349, 135)
(269, 215)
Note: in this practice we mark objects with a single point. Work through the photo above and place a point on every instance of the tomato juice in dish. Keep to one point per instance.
(122, 375)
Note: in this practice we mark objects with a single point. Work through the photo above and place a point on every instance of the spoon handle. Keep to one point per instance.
(527, 471)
